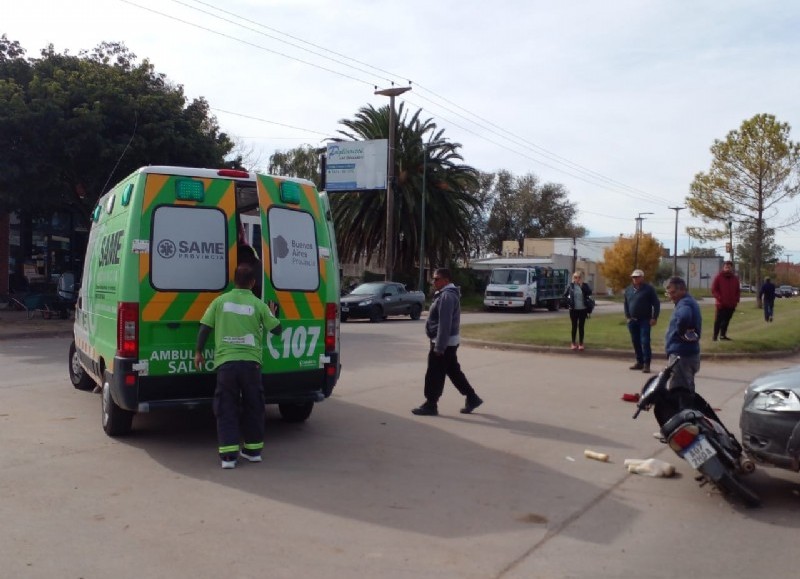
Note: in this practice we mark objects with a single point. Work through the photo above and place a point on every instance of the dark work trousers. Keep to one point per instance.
(640, 338)
(578, 319)
(721, 321)
(239, 394)
(443, 366)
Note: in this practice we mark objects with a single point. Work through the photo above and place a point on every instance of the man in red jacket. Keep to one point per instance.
(725, 289)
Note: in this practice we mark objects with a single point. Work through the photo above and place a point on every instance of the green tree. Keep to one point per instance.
(754, 171)
(72, 125)
(449, 186)
(752, 270)
(300, 162)
(524, 208)
(479, 216)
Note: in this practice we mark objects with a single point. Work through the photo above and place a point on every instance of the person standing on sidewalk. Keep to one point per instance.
(767, 296)
(239, 320)
(578, 295)
(726, 291)
(642, 307)
(442, 328)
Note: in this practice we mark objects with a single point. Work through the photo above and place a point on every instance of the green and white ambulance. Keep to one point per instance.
(162, 246)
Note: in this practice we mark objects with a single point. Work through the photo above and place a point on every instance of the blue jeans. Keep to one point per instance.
(769, 309)
(640, 338)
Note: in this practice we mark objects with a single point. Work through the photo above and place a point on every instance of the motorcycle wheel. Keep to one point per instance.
(730, 484)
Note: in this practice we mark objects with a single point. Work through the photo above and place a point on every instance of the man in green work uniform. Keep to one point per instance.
(239, 320)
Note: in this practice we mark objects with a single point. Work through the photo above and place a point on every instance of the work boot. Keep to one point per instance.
(637, 366)
(471, 404)
(426, 409)
(646, 368)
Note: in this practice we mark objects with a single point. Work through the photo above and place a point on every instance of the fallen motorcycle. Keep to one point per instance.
(698, 436)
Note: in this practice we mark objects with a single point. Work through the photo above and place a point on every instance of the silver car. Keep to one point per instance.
(770, 419)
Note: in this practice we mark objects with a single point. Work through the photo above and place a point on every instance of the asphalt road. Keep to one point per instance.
(366, 489)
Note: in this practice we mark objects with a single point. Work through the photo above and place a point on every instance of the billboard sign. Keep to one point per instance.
(356, 165)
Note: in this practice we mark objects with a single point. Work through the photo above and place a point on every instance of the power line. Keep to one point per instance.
(248, 43)
(572, 169)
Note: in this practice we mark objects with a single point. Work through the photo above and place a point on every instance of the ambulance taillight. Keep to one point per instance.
(331, 314)
(128, 330)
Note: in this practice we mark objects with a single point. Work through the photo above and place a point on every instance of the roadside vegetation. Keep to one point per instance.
(749, 333)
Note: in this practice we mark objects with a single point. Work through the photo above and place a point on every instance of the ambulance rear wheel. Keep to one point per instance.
(296, 412)
(77, 376)
(116, 421)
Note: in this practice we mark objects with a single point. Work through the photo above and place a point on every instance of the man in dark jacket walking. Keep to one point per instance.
(726, 291)
(767, 295)
(442, 328)
(642, 307)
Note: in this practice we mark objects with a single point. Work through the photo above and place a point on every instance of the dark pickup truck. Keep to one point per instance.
(378, 300)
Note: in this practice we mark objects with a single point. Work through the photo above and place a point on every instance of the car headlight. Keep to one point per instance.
(777, 401)
(365, 302)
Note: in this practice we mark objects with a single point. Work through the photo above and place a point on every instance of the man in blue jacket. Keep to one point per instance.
(683, 335)
(642, 307)
(442, 328)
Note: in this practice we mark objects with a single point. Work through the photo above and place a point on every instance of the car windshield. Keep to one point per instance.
(367, 289)
(508, 276)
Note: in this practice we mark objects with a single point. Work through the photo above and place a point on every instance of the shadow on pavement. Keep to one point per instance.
(355, 462)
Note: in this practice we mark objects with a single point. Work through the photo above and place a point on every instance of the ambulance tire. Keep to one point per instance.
(116, 421)
(79, 378)
(296, 412)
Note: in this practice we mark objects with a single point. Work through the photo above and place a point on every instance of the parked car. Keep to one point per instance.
(784, 291)
(378, 300)
(770, 418)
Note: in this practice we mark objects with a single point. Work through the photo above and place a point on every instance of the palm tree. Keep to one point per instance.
(360, 217)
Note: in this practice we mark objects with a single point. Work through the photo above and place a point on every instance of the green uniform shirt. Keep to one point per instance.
(239, 320)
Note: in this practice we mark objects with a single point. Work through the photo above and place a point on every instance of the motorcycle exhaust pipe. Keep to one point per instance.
(747, 465)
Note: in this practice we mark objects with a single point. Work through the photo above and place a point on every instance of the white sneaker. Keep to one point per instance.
(251, 457)
(228, 464)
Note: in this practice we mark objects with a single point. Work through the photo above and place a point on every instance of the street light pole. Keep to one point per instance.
(675, 249)
(389, 257)
(638, 235)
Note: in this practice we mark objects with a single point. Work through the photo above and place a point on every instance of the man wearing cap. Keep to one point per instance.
(642, 307)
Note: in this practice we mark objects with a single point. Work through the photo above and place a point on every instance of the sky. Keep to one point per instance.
(619, 101)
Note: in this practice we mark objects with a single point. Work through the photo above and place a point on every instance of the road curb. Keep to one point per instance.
(609, 353)
(29, 335)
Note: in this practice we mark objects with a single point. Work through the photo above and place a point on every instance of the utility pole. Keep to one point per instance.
(638, 235)
(787, 267)
(675, 250)
(574, 255)
(730, 237)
